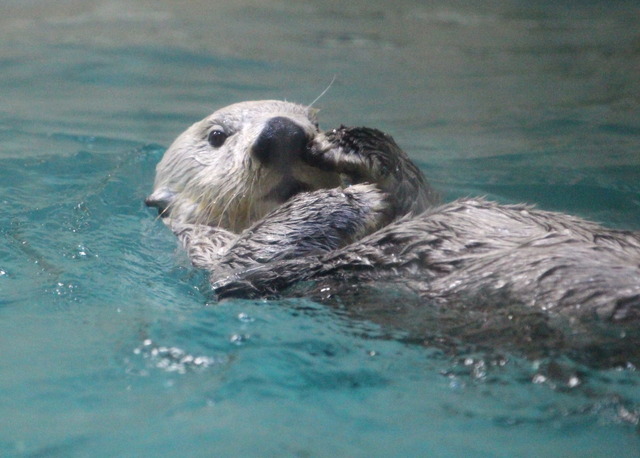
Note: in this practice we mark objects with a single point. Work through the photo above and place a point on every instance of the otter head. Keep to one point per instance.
(234, 166)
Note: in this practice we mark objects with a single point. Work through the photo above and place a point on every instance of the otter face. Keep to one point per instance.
(236, 165)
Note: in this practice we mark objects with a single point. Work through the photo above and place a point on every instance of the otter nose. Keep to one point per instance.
(280, 141)
(161, 199)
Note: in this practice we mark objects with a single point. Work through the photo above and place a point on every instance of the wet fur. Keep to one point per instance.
(450, 264)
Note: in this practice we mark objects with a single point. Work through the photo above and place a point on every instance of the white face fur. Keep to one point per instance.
(234, 166)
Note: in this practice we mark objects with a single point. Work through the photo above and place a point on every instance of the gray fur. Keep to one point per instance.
(473, 249)
(228, 186)
(383, 226)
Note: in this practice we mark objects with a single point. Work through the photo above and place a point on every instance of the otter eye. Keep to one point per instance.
(217, 138)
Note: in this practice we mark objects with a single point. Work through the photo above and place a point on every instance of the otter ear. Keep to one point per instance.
(161, 199)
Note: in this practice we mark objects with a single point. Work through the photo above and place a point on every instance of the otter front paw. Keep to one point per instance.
(365, 155)
(361, 154)
(310, 224)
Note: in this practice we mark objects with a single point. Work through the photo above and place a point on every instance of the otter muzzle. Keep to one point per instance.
(280, 141)
(161, 199)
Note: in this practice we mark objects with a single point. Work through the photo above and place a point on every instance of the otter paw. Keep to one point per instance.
(361, 154)
(365, 155)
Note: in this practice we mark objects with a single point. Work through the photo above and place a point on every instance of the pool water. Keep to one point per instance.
(111, 345)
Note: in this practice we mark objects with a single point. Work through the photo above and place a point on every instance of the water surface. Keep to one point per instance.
(111, 345)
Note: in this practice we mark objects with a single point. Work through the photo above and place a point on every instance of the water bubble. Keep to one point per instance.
(479, 370)
(628, 416)
(175, 352)
(203, 361)
(238, 339)
(172, 359)
(573, 381)
(64, 289)
(539, 378)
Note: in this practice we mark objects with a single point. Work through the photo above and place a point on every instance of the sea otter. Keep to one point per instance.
(271, 205)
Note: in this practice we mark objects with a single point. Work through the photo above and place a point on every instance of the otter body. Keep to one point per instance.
(272, 205)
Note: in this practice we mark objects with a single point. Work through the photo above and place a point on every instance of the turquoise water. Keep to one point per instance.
(111, 345)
